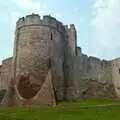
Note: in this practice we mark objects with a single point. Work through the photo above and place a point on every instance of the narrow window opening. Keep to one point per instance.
(51, 36)
(119, 70)
(63, 66)
(50, 64)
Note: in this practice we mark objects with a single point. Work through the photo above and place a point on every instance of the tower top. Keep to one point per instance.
(35, 19)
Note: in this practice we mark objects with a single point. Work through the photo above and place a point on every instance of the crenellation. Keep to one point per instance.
(33, 15)
(48, 19)
(79, 51)
(95, 59)
(7, 60)
(32, 19)
(72, 26)
(66, 27)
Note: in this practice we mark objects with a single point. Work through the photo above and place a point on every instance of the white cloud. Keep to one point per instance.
(106, 22)
(107, 13)
(33, 6)
(76, 10)
(25, 3)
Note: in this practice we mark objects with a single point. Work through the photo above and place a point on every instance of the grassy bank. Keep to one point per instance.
(91, 109)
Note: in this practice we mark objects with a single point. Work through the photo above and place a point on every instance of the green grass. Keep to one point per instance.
(90, 109)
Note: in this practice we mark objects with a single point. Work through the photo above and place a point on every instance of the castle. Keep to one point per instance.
(47, 66)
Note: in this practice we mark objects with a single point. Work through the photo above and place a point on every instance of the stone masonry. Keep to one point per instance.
(47, 66)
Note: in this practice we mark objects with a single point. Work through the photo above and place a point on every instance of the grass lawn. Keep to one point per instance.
(91, 109)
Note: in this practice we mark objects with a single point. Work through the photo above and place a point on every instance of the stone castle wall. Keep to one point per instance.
(47, 66)
(5, 73)
(88, 77)
(5, 77)
(116, 76)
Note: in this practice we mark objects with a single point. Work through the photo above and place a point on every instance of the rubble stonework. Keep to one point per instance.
(47, 66)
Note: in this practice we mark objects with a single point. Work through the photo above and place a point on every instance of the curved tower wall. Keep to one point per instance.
(39, 47)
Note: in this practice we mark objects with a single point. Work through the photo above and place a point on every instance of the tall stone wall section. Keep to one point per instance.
(116, 76)
(5, 73)
(88, 77)
(5, 77)
(79, 51)
(72, 39)
(39, 46)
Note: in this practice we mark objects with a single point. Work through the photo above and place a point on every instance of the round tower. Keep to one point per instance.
(38, 60)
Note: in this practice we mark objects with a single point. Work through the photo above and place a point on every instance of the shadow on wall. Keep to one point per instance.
(2, 94)
(29, 86)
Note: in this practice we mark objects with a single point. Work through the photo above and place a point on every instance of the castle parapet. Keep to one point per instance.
(72, 26)
(7, 60)
(35, 19)
(32, 19)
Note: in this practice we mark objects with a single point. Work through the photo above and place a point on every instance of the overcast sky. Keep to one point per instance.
(97, 23)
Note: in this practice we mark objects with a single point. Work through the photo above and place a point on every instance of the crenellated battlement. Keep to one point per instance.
(69, 27)
(7, 60)
(35, 19)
